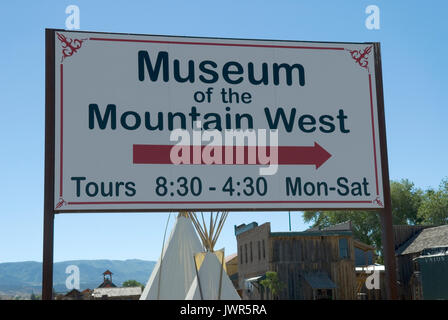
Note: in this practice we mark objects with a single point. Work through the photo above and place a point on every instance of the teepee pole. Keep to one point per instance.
(212, 225)
(220, 226)
(206, 233)
(194, 219)
(199, 229)
(210, 235)
(161, 258)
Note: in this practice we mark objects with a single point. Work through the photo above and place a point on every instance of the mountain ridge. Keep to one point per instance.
(25, 277)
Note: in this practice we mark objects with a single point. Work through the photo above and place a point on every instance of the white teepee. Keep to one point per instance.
(212, 282)
(174, 272)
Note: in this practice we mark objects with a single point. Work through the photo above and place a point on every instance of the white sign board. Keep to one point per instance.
(168, 123)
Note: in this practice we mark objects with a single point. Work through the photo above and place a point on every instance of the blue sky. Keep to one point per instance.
(413, 38)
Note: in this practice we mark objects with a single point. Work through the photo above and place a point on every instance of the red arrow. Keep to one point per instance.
(287, 155)
(315, 155)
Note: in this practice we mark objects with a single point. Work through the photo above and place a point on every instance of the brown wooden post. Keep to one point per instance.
(47, 265)
(47, 259)
(387, 238)
(387, 234)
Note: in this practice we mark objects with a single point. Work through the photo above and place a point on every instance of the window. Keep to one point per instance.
(251, 256)
(245, 249)
(264, 251)
(343, 248)
(241, 254)
(259, 250)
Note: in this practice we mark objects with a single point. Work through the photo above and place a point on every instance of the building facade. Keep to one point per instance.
(421, 255)
(313, 264)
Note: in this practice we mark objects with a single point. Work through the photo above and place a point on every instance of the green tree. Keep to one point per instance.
(133, 283)
(273, 283)
(434, 207)
(406, 200)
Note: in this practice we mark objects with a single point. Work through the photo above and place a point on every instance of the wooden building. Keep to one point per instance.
(413, 245)
(313, 264)
(128, 293)
(75, 295)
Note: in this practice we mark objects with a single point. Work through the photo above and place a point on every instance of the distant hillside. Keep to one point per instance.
(25, 277)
